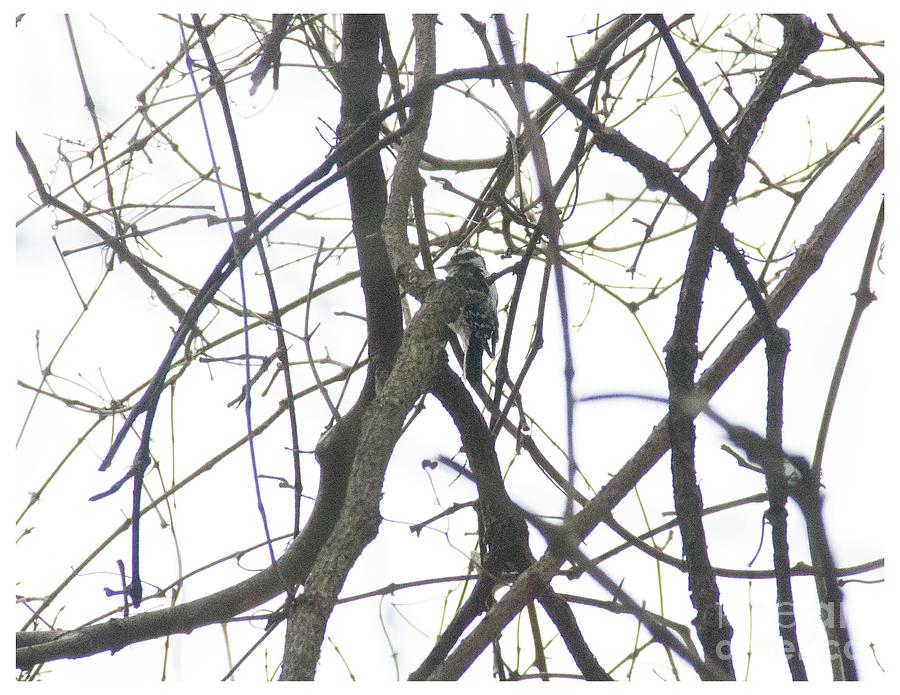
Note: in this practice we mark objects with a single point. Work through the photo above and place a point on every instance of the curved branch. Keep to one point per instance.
(290, 569)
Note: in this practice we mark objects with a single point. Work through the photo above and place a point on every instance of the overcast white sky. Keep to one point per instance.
(123, 336)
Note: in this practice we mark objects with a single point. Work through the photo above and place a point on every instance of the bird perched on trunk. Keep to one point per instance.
(477, 325)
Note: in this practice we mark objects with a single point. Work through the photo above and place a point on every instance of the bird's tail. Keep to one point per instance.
(473, 362)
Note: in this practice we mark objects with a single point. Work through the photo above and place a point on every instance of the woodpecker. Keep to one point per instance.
(477, 325)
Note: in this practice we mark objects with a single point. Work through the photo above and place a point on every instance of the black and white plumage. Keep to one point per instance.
(477, 326)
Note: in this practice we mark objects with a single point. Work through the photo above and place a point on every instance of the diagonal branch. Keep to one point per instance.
(806, 262)
(117, 245)
(687, 78)
(420, 352)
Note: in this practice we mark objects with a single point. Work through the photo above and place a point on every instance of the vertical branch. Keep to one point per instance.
(831, 602)
(713, 627)
(359, 74)
(864, 297)
(101, 148)
(776, 487)
(363, 440)
(406, 182)
(830, 598)
(218, 83)
(726, 173)
(549, 226)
